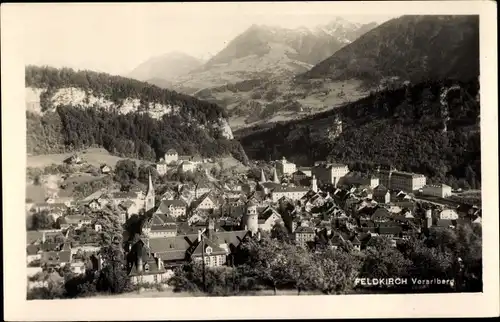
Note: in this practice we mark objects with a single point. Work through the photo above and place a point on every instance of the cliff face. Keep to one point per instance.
(71, 110)
(41, 101)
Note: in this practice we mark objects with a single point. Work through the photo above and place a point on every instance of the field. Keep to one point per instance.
(94, 156)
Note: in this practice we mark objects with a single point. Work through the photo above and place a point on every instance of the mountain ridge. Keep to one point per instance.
(80, 109)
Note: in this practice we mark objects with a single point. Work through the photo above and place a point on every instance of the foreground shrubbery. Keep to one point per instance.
(273, 264)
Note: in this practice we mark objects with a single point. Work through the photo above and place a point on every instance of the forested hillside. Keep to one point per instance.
(430, 128)
(127, 117)
(414, 48)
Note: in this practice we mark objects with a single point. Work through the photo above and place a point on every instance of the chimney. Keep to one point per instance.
(258, 235)
(199, 236)
(43, 237)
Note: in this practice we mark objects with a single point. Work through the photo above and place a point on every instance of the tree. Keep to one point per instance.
(383, 260)
(126, 172)
(280, 233)
(338, 271)
(42, 220)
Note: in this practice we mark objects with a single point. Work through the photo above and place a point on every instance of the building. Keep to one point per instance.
(160, 231)
(127, 209)
(105, 169)
(306, 170)
(285, 168)
(381, 194)
(330, 173)
(187, 166)
(149, 202)
(205, 202)
(304, 235)
(33, 253)
(171, 252)
(448, 214)
(399, 180)
(441, 190)
(171, 156)
(299, 176)
(293, 193)
(360, 180)
(268, 218)
(201, 188)
(250, 220)
(56, 259)
(161, 167)
(174, 208)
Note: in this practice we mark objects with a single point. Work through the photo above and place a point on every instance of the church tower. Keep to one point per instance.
(262, 176)
(275, 176)
(314, 184)
(150, 195)
(250, 219)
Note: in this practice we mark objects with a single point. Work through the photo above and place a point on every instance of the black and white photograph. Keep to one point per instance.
(243, 150)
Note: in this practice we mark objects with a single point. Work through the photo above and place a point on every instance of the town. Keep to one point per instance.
(207, 217)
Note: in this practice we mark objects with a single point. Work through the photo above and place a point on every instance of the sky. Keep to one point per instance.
(115, 38)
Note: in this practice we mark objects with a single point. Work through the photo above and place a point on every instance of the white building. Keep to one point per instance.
(293, 193)
(187, 166)
(330, 172)
(161, 167)
(283, 167)
(448, 214)
(171, 156)
(441, 190)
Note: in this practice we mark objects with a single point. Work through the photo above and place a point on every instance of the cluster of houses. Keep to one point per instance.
(184, 163)
(322, 206)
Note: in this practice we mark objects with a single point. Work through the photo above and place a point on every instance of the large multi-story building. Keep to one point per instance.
(360, 180)
(399, 180)
(283, 167)
(330, 172)
(441, 190)
(293, 193)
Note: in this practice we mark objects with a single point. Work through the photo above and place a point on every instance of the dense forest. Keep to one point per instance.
(133, 134)
(118, 89)
(412, 128)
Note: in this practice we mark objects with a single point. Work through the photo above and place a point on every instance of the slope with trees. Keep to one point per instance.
(403, 127)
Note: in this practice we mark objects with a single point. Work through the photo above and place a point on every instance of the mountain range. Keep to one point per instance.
(260, 51)
(166, 67)
(409, 48)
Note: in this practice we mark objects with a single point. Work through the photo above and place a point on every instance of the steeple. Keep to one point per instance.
(150, 183)
(314, 184)
(150, 195)
(262, 176)
(275, 176)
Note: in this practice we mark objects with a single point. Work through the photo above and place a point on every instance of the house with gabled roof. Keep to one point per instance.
(127, 208)
(175, 251)
(268, 217)
(55, 259)
(304, 235)
(381, 194)
(380, 215)
(204, 202)
(174, 207)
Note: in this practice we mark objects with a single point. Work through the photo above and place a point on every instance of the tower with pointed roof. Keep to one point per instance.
(314, 184)
(150, 195)
(275, 176)
(262, 176)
